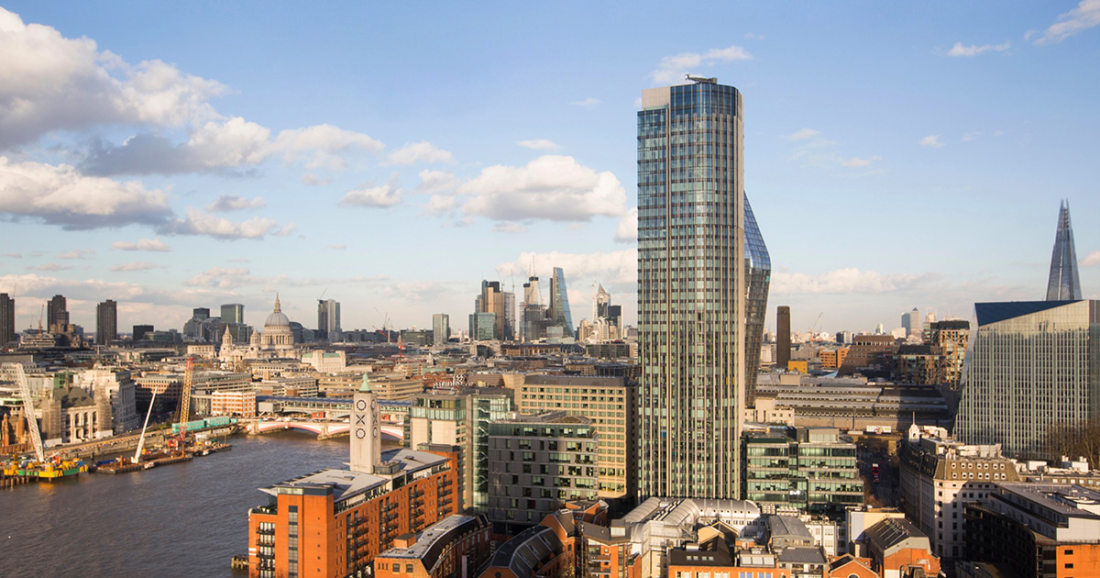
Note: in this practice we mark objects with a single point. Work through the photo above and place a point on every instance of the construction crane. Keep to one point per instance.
(141, 440)
(813, 328)
(28, 410)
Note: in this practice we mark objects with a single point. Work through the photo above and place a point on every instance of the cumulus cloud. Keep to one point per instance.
(627, 231)
(611, 267)
(417, 153)
(839, 281)
(198, 222)
(555, 188)
(154, 245)
(136, 266)
(61, 195)
(321, 145)
(1091, 260)
(77, 254)
(538, 144)
(380, 196)
(931, 141)
(432, 181)
(960, 49)
(312, 180)
(226, 203)
(441, 204)
(586, 103)
(1085, 16)
(673, 68)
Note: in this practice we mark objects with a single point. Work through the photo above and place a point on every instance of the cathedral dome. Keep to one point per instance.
(277, 317)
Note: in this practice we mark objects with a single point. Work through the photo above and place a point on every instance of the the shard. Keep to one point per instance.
(1064, 283)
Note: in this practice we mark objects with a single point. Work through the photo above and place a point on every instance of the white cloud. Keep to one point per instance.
(50, 267)
(441, 204)
(136, 266)
(857, 162)
(552, 187)
(960, 49)
(155, 245)
(322, 144)
(539, 144)
(612, 267)
(223, 278)
(509, 228)
(839, 281)
(226, 203)
(380, 196)
(1091, 260)
(586, 103)
(419, 152)
(673, 68)
(432, 181)
(77, 254)
(804, 134)
(60, 195)
(200, 223)
(1086, 15)
(931, 141)
(312, 180)
(627, 231)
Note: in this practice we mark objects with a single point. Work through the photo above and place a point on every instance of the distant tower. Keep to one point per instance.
(57, 314)
(1064, 283)
(328, 320)
(558, 312)
(7, 319)
(233, 313)
(106, 322)
(782, 336)
(912, 322)
(366, 441)
(441, 329)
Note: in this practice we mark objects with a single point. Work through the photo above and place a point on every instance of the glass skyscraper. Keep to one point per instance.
(703, 275)
(559, 313)
(1064, 282)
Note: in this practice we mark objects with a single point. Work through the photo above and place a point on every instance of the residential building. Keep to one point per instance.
(454, 546)
(536, 464)
(572, 541)
(57, 314)
(1064, 283)
(939, 477)
(832, 358)
(703, 273)
(808, 469)
(611, 404)
(441, 329)
(106, 322)
(951, 337)
(7, 319)
(1034, 366)
(1038, 530)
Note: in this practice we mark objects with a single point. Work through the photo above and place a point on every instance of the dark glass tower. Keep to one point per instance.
(558, 312)
(1064, 284)
(703, 275)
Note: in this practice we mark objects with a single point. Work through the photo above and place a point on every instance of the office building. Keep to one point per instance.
(233, 313)
(532, 311)
(57, 314)
(611, 404)
(782, 336)
(142, 332)
(7, 319)
(537, 463)
(1034, 365)
(1064, 284)
(106, 322)
(441, 329)
(912, 323)
(501, 305)
(328, 320)
(703, 274)
(810, 469)
(558, 314)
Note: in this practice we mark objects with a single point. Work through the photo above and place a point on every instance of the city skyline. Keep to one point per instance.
(396, 158)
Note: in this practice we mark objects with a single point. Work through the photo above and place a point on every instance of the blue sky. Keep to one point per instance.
(392, 155)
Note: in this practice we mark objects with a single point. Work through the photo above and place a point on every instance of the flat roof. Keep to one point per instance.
(347, 483)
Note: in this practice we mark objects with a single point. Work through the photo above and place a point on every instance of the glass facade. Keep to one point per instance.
(1032, 366)
(703, 273)
(1064, 283)
(559, 313)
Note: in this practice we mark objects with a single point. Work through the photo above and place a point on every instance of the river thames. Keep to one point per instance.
(184, 519)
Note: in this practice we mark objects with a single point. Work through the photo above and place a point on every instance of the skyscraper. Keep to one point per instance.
(7, 319)
(558, 313)
(1064, 284)
(441, 329)
(703, 275)
(532, 312)
(328, 320)
(501, 305)
(1033, 365)
(232, 313)
(106, 322)
(782, 336)
(57, 314)
(912, 322)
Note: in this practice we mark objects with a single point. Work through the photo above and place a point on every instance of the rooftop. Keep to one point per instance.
(1076, 501)
(434, 539)
(346, 483)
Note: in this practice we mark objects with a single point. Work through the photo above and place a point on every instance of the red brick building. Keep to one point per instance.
(455, 546)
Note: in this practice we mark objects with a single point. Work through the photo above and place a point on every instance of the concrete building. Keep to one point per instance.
(806, 469)
(57, 314)
(7, 319)
(106, 322)
(113, 390)
(1037, 530)
(611, 404)
(536, 464)
(1034, 365)
(939, 477)
(441, 329)
(782, 336)
(703, 274)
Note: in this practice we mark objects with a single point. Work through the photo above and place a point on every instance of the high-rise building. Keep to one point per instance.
(703, 274)
(199, 313)
(57, 314)
(233, 313)
(142, 332)
(328, 320)
(558, 314)
(1064, 284)
(912, 322)
(106, 322)
(502, 305)
(441, 329)
(782, 336)
(1033, 366)
(7, 319)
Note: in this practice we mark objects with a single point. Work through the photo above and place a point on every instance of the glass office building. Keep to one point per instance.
(703, 274)
(1064, 282)
(1032, 366)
